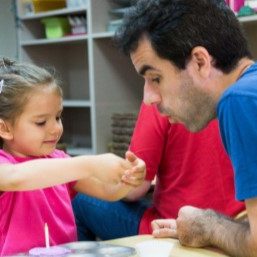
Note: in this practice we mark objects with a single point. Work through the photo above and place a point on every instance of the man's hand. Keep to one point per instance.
(194, 226)
(191, 227)
(199, 228)
(164, 228)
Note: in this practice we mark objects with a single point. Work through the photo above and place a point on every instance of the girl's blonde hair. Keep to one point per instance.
(18, 81)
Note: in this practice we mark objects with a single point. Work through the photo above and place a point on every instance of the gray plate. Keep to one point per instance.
(98, 249)
(114, 250)
(85, 255)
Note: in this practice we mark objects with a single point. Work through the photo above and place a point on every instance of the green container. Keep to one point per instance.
(56, 27)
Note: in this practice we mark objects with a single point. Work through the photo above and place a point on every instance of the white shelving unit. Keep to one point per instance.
(97, 80)
(249, 24)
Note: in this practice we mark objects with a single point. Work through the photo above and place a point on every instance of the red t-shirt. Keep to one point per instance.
(191, 168)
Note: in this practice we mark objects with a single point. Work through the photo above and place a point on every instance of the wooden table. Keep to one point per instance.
(177, 250)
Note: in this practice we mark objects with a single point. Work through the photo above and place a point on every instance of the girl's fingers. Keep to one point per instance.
(135, 171)
(134, 181)
(134, 174)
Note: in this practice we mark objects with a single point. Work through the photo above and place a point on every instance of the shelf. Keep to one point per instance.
(45, 41)
(249, 18)
(106, 34)
(76, 103)
(58, 12)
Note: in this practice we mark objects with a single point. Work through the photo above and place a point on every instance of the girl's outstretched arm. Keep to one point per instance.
(43, 173)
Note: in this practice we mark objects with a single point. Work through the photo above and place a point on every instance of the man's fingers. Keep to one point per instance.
(165, 232)
(130, 156)
(164, 223)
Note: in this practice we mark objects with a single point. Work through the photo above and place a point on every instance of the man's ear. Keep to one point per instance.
(201, 60)
(5, 130)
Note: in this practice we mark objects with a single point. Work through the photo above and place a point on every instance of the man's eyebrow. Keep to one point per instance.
(145, 68)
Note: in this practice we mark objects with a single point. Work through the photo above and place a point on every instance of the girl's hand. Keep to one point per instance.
(135, 175)
(109, 167)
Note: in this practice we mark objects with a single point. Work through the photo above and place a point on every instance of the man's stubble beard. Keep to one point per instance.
(197, 107)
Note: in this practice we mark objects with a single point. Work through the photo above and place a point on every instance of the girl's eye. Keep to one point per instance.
(42, 123)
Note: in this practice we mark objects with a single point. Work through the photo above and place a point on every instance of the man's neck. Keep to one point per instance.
(242, 66)
(224, 81)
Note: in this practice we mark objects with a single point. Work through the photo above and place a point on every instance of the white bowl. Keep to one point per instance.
(154, 248)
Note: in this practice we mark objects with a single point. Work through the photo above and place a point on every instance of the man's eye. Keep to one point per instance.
(156, 80)
(42, 123)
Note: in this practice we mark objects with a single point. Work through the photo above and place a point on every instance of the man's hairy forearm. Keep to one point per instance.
(231, 236)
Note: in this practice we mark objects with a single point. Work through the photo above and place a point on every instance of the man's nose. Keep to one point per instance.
(151, 95)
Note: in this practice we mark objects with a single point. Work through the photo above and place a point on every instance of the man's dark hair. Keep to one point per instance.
(175, 27)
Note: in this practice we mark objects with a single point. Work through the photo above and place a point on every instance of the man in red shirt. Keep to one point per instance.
(190, 169)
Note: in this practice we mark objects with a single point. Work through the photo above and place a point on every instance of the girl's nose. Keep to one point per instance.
(57, 128)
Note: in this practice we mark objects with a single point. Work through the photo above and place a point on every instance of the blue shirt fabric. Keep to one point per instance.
(237, 115)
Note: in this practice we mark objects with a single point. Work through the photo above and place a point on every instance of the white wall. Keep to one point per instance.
(8, 40)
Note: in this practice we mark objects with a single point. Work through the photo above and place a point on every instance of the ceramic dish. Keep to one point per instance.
(117, 251)
(98, 249)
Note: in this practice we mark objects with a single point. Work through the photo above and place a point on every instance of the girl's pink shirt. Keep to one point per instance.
(24, 214)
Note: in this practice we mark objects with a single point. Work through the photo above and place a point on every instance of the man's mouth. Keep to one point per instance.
(164, 113)
(171, 120)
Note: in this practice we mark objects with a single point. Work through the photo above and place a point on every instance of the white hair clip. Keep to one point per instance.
(1, 85)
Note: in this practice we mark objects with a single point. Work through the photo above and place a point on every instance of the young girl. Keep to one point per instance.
(37, 180)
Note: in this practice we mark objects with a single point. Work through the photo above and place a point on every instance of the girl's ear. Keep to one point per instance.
(5, 131)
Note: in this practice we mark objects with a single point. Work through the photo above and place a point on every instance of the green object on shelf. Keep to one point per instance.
(56, 27)
(246, 11)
